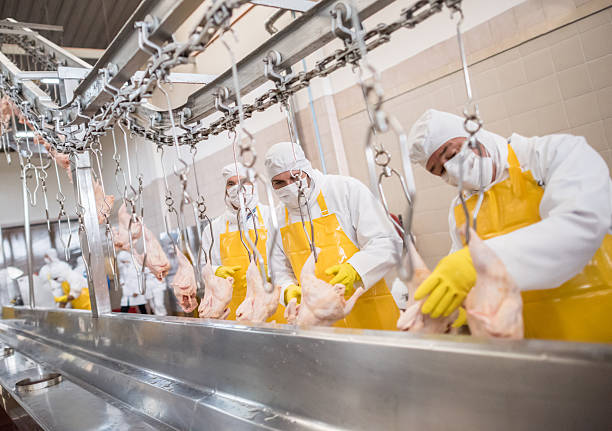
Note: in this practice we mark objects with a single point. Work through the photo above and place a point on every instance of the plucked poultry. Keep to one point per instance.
(217, 294)
(322, 304)
(494, 305)
(412, 319)
(157, 261)
(124, 220)
(104, 203)
(184, 284)
(258, 305)
(63, 160)
(121, 238)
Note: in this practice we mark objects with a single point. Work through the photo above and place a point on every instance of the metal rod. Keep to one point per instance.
(28, 238)
(80, 165)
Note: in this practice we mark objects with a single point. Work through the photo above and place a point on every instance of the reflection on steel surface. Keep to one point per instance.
(190, 372)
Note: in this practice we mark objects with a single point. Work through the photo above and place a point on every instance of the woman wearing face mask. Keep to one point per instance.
(547, 214)
(229, 256)
(357, 243)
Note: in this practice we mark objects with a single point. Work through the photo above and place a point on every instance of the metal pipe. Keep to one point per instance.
(315, 124)
(28, 238)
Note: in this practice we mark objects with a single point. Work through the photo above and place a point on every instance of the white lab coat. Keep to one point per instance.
(362, 219)
(218, 227)
(128, 277)
(156, 294)
(576, 212)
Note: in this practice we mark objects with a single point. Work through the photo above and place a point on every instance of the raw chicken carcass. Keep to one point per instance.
(258, 305)
(63, 160)
(412, 319)
(157, 261)
(121, 238)
(104, 203)
(494, 305)
(184, 284)
(124, 220)
(322, 304)
(217, 294)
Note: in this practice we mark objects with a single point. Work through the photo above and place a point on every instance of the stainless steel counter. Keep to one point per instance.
(198, 374)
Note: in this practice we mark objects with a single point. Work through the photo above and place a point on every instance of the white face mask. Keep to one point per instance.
(471, 171)
(231, 195)
(288, 195)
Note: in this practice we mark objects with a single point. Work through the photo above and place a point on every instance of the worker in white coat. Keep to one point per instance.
(155, 294)
(357, 243)
(128, 278)
(69, 288)
(49, 257)
(547, 214)
(229, 254)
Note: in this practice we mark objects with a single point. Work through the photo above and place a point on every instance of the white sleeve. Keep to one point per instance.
(378, 242)
(575, 211)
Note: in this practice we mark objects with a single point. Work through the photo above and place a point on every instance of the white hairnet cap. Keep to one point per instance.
(286, 156)
(434, 128)
(124, 256)
(229, 171)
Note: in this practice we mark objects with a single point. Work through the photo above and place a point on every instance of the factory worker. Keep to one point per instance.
(156, 294)
(547, 214)
(229, 255)
(357, 243)
(128, 279)
(49, 257)
(69, 287)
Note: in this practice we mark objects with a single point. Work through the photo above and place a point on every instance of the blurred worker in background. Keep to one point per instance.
(156, 294)
(49, 257)
(69, 287)
(128, 277)
(229, 255)
(357, 243)
(547, 214)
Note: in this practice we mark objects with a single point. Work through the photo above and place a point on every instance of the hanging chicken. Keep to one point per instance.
(104, 203)
(412, 319)
(322, 304)
(258, 305)
(494, 305)
(184, 284)
(217, 294)
(156, 261)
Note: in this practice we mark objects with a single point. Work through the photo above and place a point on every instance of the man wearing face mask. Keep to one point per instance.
(229, 255)
(357, 243)
(547, 214)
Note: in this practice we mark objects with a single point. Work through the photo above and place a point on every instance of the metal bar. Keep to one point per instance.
(28, 238)
(50, 48)
(182, 78)
(92, 249)
(237, 377)
(15, 24)
(294, 5)
(299, 39)
(123, 52)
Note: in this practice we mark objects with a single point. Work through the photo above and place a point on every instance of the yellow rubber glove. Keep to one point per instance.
(227, 271)
(343, 274)
(293, 291)
(448, 284)
(461, 319)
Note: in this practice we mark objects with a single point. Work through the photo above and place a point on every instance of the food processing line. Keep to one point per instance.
(65, 369)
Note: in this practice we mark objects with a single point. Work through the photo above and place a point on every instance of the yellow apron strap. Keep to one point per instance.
(515, 173)
(322, 204)
(259, 218)
(286, 217)
(226, 226)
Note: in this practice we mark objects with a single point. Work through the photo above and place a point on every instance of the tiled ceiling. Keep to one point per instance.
(87, 23)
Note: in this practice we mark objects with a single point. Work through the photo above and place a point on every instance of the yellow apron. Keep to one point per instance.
(80, 303)
(376, 308)
(233, 253)
(578, 310)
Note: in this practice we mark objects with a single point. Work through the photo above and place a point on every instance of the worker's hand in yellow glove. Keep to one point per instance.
(227, 271)
(343, 274)
(293, 291)
(448, 284)
(461, 318)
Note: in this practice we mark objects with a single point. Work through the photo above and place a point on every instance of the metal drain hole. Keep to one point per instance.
(44, 381)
